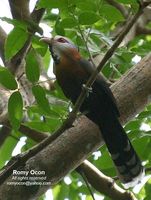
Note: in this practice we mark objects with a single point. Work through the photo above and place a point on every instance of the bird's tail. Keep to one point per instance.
(129, 168)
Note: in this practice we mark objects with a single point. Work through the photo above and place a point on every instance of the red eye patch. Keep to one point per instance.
(62, 40)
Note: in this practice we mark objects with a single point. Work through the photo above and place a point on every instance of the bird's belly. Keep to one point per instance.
(93, 106)
(69, 86)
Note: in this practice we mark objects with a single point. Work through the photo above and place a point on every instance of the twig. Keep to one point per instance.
(81, 172)
(86, 45)
(33, 134)
(85, 41)
(114, 71)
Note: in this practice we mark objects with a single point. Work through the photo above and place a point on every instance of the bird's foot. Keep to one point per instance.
(88, 89)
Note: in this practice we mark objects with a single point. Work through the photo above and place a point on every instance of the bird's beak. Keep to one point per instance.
(47, 40)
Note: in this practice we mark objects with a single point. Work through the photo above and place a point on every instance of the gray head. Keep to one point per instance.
(59, 45)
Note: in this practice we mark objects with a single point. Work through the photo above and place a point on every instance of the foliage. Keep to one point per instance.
(94, 20)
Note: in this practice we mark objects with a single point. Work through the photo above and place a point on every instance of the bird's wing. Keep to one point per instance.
(102, 84)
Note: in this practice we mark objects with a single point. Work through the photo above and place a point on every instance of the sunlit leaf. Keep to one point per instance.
(7, 79)
(68, 22)
(39, 126)
(6, 150)
(32, 67)
(15, 41)
(111, 13)
(38, 45)
(15, 109)
(87, 18)
(52, 3)
(41, 99)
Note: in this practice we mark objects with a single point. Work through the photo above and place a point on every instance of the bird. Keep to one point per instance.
(72, 72)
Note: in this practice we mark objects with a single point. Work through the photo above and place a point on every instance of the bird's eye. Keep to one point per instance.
(62, 40)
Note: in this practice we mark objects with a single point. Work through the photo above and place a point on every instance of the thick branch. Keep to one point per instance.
(3, 36)
(69, 150)
(103, 183)
(133, 90)
(19, 9)
(34, 135)
(17, 60)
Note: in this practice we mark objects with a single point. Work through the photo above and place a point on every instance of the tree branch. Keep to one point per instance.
(3, 36)
(34, 135)
(17, 60)
(143, 31)
(20, 9)
(138, 28)
(104, 184)
(93, 175)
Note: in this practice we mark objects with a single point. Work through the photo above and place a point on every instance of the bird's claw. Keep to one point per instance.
(88, 89)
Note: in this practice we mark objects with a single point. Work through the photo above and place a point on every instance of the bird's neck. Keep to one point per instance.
(73, 54)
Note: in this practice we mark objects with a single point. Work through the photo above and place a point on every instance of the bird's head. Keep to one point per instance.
(61, 46)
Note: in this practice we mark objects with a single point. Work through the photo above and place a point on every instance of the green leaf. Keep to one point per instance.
(56, 191)
(6, 150)
(68, 22)
(127, 1)
(39, 46)
(105, 160)
(15, 109)
(88, 18)
(52, 3)
(37, 110)
(40, 96)
(58, 92)
(61, 192)
(133, 125)
(111, 13)
(32, 67)
(15, 41)
(38, 126)
(20, 24)
(7, 79)
(87, 5)
(51, 17)
(147, 192)
(145, 114)
(59, 29)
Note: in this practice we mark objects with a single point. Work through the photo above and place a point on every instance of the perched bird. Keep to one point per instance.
(72, 72)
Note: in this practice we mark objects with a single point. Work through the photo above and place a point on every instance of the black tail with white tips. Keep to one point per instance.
(128, 165)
